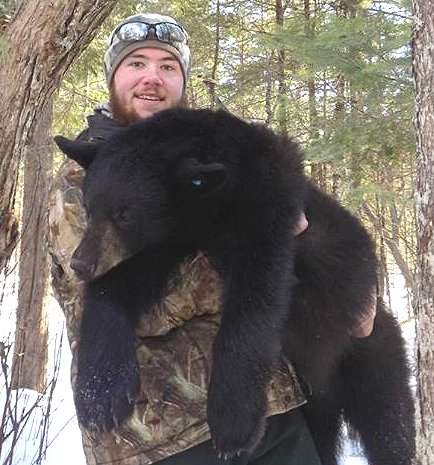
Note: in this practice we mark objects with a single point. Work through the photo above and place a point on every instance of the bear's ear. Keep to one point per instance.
(83, 152)
(201, 178)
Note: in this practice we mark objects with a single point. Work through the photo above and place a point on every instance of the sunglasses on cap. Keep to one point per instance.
(164, 32)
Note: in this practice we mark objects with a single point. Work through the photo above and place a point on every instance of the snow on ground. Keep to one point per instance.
(62, 441)
(353, 461)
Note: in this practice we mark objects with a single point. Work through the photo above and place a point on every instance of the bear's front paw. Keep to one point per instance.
(236, 428)
(105, 394)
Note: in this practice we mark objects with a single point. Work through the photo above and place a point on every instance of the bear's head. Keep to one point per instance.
(170, 180)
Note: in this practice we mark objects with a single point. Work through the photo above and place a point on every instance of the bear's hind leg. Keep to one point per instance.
(377, 395)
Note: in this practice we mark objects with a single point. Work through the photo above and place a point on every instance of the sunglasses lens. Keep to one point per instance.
(164, 32)
(133, 31)
(169, 32)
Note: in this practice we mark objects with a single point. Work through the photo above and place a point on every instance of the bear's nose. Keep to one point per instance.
(83, 270)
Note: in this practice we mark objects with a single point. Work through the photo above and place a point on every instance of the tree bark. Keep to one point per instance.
(31, 334)
(423, 70)
(43, 39)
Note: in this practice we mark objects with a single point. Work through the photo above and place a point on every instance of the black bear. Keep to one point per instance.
(189, 180)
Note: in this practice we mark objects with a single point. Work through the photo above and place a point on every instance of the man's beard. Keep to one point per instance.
(124, 117)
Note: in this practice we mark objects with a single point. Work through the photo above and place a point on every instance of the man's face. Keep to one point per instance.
(147, 81)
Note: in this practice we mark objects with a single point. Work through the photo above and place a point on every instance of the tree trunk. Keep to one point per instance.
(392, 242)
(43, 39)
(423, 70)
(282, 111)
(211, 84)
(31, 333)
(317, 170)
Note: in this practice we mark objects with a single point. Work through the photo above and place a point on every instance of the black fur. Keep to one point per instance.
(185, 181)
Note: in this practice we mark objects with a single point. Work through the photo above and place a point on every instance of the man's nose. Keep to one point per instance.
(151, 75)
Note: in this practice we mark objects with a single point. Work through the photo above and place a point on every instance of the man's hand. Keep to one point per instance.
(365, 326)
(301, 225)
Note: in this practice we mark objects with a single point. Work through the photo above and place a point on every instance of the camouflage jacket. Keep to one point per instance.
(174, 342)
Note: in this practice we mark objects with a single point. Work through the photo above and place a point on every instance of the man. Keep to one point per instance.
(147, 66)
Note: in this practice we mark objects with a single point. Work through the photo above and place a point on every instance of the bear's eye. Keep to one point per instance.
(204, 183)
(201, 179)
(197, 182)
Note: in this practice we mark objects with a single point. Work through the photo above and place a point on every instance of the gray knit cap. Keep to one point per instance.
(119, 49)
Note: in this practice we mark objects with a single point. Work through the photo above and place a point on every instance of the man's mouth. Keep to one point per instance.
(150, 98)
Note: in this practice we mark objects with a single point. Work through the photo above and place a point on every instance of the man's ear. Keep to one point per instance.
(83, 152)
(201, 178)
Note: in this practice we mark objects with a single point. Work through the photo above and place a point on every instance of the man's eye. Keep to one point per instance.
(168, 67)
(136, 64)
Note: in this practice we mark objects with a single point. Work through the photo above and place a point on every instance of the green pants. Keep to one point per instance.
(287, 441)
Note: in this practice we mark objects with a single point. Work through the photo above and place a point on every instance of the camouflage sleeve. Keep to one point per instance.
(66, 219)
(194, 292)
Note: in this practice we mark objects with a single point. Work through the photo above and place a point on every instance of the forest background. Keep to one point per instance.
(336, 75)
